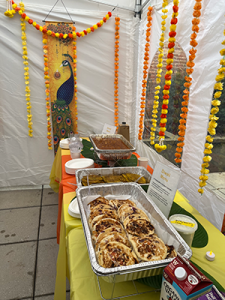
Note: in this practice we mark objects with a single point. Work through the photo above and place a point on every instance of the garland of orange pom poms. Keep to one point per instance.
(11, 12)
(47, 91)
(26, 74)
(75, 77)
(158, 75)
(188, 83)
(116, 95)
(163, 118)
(212, 122)
(145, 73)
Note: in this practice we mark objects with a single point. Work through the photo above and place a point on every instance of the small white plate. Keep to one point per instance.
(73, 165)
(64, 144)
(73, 209)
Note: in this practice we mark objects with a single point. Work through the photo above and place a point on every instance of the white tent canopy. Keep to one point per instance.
(27, 161)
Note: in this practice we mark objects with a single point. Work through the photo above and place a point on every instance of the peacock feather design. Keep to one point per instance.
(61, 115)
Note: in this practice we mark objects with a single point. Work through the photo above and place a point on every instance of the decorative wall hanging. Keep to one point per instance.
(163, 118)
(61, 84)
(159, 71)
(218, 87)
(116, 95)
(188, 83)
(145, 73)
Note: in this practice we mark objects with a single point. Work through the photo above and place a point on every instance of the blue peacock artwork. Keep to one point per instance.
(61, 115)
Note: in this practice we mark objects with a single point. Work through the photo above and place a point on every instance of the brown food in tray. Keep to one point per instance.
(109, 143)
(123, 234)
(126, 177)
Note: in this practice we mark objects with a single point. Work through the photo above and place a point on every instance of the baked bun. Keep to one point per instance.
(97, 237)
(107, 214)
(149, 248)
(103, 224)
(139, 227)
(105, 238)
(99, 200)
(116, 254)
(117, 203)
(171, 252)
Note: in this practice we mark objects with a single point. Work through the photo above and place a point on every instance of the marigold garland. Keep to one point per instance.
(116, 95)
(47, 91)
(75, 77)
(145, 73)
(218, 87)
(159, 71)
(10, 13)
(163, 118)
(26, 73)
(190, 64)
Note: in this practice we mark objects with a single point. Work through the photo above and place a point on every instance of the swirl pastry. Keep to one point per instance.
(116, 254)
(105, 238)
(149, 248)
(139, 227)
(117, 203)
(127, 210)
(97, 237)
(107, 214)
(171, 252)
(97, 201)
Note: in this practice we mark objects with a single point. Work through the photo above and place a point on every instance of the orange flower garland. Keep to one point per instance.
(47, 91)
(26, 73)
(188, 83)
(145, 73)
(163, 118)
(159, 71)
(218, 87)
(11, 13)
(75, 76)
(116, 96)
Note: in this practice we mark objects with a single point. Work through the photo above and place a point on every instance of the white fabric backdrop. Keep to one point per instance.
(207, 61)
(25, 160)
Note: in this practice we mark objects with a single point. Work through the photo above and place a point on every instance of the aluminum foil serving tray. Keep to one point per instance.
(112, 154)
(112, 171)
(163, 229)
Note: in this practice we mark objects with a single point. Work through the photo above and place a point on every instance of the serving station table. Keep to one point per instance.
(73, 261)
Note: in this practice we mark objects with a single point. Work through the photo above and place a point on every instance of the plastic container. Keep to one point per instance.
(185, 226)
(75, 146)
(143, 162)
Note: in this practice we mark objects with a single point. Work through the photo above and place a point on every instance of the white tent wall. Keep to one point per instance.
(25, 160)
(207, 60)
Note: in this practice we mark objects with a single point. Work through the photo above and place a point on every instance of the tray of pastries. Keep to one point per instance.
(127, 236)
(112, 175)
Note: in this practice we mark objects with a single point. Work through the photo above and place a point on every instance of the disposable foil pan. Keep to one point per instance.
(112, 171)
(163, 229)
(112, 154)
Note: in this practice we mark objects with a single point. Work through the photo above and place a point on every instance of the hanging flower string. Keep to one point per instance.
(116, 95)
(11, 13)
(159, 71)
(75, 76)
(145, 73)
(47, 91)
(26, 73)
(188, 79)
(218, 87)
(163, 118)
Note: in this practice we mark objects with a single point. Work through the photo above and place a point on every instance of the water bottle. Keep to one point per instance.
(75, 146)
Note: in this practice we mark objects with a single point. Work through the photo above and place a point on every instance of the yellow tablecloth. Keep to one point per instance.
(83, 285)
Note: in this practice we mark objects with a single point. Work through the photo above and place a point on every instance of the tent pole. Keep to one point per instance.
(138, 8)
(115, 6)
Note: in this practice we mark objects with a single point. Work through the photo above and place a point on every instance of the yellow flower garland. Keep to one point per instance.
(47, 91)
(75, 76)
(26, 73)
(11, 12)
(212, 122)
(159, 71)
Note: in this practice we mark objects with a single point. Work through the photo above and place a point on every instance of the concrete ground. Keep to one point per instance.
(28, 247)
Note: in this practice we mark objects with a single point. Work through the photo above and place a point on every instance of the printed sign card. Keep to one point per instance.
(163, 187)
(108, 129)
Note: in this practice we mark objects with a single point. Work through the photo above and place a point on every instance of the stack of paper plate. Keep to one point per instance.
(64, 144)
(73, 209)
(76, 164)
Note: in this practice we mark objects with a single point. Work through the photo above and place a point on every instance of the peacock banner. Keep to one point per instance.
(61, 82)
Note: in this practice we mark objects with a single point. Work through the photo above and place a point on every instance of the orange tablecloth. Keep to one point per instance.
(65, 180)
